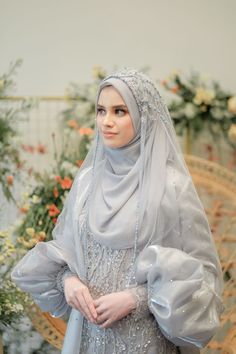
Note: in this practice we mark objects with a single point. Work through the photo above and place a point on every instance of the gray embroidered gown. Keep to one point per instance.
(109, 271)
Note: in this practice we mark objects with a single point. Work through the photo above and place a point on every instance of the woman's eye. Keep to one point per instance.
(120, 112)
(100, 111)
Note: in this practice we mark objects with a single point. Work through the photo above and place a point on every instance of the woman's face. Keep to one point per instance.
(113, 119)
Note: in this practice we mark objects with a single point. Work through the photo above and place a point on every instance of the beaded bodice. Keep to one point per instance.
(108, 270)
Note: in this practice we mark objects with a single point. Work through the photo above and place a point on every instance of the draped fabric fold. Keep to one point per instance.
(182, 294)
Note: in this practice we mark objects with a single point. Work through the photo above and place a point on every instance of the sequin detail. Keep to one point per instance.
(108, 270)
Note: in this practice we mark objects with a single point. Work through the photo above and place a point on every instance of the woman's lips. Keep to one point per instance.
(108, 134)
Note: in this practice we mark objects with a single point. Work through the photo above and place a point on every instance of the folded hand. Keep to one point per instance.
(113, 307)
(78, 296)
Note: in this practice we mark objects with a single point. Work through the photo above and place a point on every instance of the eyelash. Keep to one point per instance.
(120, 110)
(117, 110)
(100, 110)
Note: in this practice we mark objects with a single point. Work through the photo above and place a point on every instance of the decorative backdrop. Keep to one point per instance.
(38, 166)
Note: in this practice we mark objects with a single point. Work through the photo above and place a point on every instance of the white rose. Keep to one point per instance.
(35, 199)
(217, 113)
(190, 110)
(69, 167)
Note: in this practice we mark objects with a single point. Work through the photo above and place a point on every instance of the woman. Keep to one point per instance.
(132, 259)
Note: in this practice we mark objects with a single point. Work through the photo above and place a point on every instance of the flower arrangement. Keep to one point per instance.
(10, 161)
(43, 205)
(78, 118)
(12, 299)
(199, 104)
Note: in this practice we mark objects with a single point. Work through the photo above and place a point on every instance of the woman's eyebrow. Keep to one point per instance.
(116, 106)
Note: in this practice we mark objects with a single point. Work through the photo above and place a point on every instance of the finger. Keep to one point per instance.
(85, 308)
(102, 318)
(90, 303)
(106, 324)
(75, 304)
(100, 300)
(100, 310)
(97, 302)
(78, 305)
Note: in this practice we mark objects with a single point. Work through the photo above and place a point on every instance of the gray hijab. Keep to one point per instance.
(115, 209)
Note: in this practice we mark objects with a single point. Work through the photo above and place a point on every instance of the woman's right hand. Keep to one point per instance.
(78, 296)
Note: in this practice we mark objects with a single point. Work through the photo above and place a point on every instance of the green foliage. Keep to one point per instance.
(10, 161)
(12, 299)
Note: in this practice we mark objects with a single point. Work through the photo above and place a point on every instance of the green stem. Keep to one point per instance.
(187, 143)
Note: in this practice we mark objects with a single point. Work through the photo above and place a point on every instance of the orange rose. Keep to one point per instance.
(164, 82)
(54, 220)
(66, 183)
(58, 179)
(10, 180)
(86, 131)
(41, 149)
(55, 192)
(53, 210)
(175, 89)
(73, 124)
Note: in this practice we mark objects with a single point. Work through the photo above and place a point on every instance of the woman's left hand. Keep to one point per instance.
(113, 307)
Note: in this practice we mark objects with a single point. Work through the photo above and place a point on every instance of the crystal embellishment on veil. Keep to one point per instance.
(144, 89)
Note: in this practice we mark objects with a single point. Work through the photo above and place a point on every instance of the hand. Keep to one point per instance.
(78, 296)
(113, 307)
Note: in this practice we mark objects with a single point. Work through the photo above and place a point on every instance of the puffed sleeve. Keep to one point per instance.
(183, 274)
(37, 273)
(181, 295)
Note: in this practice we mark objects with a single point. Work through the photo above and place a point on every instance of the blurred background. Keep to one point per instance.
(61, 41)
(53, 55)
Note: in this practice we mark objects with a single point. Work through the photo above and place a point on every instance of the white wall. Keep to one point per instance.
(61, 40)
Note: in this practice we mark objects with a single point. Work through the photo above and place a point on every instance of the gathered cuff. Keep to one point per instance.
(64, 273)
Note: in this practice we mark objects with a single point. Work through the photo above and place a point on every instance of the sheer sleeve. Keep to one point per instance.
(182, 295)
(37, 272)
(185, 284)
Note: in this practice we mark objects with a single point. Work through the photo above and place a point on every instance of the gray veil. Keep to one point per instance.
(125, 191)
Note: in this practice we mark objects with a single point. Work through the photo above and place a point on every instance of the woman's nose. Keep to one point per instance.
(108, 119)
